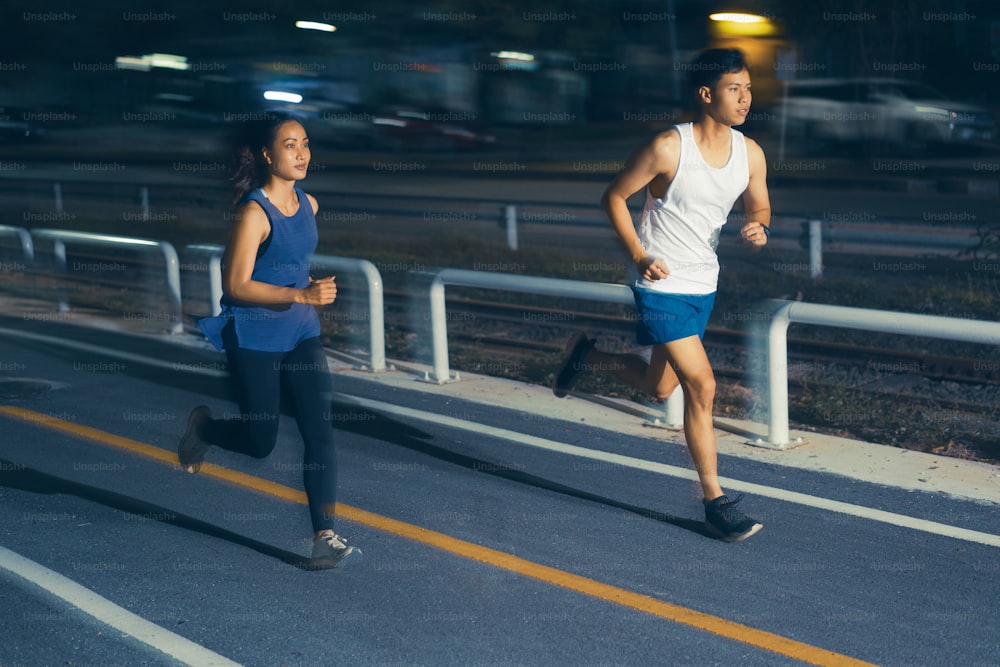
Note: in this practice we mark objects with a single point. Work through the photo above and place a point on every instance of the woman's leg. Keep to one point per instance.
(307, 377)
(255, 378)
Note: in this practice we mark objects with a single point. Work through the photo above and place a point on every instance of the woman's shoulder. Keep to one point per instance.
(251, 195)
(312, 200)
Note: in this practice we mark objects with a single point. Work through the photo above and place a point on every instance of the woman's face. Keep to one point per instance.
(288, 157)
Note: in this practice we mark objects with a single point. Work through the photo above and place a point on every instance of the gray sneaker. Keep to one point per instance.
(331, 550)
(191, 449)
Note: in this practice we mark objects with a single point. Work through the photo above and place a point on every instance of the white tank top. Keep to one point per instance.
(683, 227)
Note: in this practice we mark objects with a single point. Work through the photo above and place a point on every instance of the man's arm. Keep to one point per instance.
(756, 201)
(659, 157)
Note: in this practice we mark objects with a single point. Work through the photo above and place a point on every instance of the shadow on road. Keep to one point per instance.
(351, 418)
(16, 476)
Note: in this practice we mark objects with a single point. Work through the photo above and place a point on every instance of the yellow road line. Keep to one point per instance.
(742, 633)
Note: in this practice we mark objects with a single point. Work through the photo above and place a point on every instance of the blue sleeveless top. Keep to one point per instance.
(282, 259)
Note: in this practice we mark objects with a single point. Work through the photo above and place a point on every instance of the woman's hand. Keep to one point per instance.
(320, 292)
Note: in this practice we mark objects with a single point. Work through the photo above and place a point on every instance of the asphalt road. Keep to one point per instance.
(483, 546)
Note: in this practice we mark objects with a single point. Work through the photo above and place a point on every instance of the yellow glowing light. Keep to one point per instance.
(739, 24)
(737, 17)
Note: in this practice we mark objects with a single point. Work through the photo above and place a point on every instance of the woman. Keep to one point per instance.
(269, 327)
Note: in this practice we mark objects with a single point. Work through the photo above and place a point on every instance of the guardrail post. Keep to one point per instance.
(57, 192)
(510, 215)
(674, 409)
(439, 332)
(376, 316)
(777, 379)
(24, 236)
(59, 252)
(215, 281)
(815, 249)
(174, 283)
(215, 253)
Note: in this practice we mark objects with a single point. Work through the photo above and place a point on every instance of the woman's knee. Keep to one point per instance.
(261, 437)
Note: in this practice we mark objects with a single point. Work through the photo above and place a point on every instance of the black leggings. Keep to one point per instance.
(257, 379)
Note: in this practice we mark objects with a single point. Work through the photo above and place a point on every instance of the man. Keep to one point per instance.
(693, 173)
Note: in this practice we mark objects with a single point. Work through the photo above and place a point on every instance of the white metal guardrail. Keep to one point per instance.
(24, 238)
(510, 214)
(559, 287)
(376, 309)
(815, 237)
(215, 253)
(60, 238)
(373, 279)
(883, 321)
(784, 313)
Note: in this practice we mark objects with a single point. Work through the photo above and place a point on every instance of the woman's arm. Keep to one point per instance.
(249, 231)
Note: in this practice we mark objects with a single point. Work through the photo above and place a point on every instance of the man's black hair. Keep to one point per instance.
(709, 66)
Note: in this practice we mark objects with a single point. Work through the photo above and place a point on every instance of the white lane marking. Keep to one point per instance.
(533, 441)
(109, 613)
(107, 351)
(686, 473)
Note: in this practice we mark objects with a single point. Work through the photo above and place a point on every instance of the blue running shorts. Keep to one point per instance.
(663, 317)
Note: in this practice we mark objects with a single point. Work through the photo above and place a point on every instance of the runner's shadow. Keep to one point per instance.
(355, 419)
(18, 477)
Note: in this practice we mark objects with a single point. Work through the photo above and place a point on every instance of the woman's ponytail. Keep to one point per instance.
(249, 168)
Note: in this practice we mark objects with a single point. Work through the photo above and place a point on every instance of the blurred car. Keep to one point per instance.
(886, 110)
(343, 124)
(18, 124)
(406, 127)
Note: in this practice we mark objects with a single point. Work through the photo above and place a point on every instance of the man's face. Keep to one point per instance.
(729, 103)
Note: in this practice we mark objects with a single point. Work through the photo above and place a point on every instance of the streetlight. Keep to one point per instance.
(742, 24)
(315, 25)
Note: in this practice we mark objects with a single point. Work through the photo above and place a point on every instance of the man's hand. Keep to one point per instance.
(652, 268)
(754, 234)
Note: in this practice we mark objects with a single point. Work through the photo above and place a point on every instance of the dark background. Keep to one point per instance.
(597, 61)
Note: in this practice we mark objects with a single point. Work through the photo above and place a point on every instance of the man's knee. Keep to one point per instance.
(700, 388)
(664, 390)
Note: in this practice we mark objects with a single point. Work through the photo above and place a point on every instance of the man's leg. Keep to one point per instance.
(654, 377)
(687, 361)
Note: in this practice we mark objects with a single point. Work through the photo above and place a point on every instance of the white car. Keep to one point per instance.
(881, 110)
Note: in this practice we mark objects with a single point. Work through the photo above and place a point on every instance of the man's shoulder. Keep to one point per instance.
(754, 151)
(668, 140)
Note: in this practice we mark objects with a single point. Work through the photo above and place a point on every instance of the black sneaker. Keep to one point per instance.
(191, 449)
(577, 348)
(726, 522)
